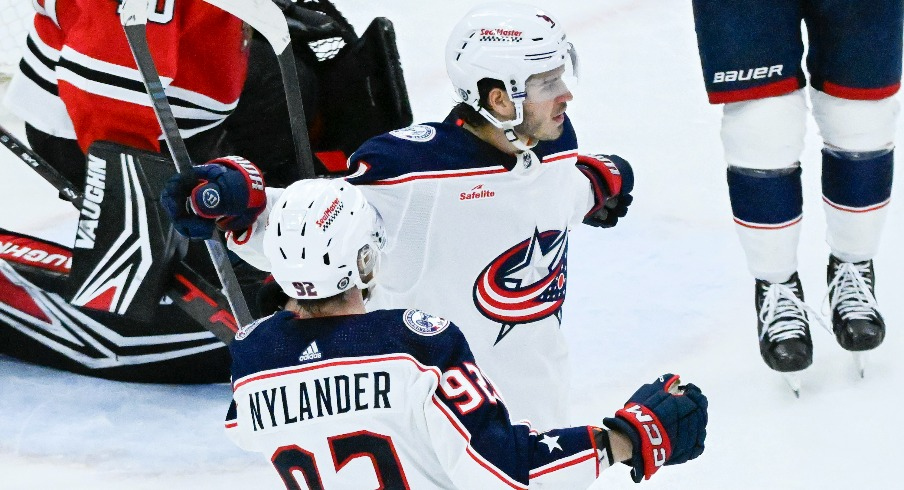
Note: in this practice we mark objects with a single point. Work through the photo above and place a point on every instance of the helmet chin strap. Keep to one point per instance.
(508, 127)
(516, 142)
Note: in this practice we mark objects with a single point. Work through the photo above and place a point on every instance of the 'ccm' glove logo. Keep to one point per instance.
(654, 435)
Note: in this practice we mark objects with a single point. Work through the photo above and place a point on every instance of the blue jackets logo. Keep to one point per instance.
(526, 283)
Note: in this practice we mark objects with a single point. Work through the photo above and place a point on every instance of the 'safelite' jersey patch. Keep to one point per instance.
(424, 323)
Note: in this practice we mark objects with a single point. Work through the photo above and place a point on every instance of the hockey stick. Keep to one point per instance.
(44, 169)
(134, 17)
(189, 291)
(267, 18)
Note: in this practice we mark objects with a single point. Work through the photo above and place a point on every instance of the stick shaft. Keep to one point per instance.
(297, 122)
(268, 19)
(44, 169)
(134, 21)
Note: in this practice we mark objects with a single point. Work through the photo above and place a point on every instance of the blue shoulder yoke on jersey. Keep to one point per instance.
(437, 147)
(281, 340)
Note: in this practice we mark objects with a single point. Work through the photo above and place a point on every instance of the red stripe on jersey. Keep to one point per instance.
(324, 364)
(781, 87)
(428, 175)
(595, 449)
(560, 156)
(577, 459)
(860, 93)
(474, 455)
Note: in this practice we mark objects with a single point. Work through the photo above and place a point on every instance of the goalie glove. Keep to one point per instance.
(227, 193)
(612, 180)
(666, 425)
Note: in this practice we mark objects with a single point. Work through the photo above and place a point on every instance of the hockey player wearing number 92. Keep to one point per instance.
(478, 208)
(322, 382)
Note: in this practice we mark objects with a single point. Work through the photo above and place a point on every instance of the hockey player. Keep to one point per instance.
(77, 85)
(77, 82)
(323, 382)
(751, 56)
(481, 204)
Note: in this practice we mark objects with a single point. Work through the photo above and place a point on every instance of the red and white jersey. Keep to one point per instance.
(78, 80)
(388, 399)
(479, 237)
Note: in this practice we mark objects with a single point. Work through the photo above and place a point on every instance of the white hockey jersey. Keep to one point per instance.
(389, 399)
(480, 237)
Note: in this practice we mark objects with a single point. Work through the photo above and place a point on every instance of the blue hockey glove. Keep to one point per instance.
(665, 422)
(612, 181)
(227, 193)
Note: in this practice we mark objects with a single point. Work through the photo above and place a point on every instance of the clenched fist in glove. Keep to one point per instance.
(227, 193)
(612, 181)
(665, 422)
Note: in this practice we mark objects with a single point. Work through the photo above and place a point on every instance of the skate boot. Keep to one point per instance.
(856, 321)
(783, 325)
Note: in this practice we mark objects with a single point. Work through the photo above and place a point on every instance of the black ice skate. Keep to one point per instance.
(856, 321)
(783, 326)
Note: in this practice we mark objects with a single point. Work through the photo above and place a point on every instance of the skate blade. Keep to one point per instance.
(860, 359)
(793, 382)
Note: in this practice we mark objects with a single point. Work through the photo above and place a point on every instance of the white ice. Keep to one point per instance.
(665, 291)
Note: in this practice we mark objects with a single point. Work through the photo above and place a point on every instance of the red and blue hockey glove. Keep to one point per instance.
(665, 422)
(226, 192)
(612, 181)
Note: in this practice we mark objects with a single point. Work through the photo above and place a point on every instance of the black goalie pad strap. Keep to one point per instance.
(124, 244)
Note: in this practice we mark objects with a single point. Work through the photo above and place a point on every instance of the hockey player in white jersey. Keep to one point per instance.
(478, 207)
(323, 383)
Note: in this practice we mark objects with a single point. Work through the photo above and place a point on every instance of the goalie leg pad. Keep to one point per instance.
(124, 244)
(765, 133)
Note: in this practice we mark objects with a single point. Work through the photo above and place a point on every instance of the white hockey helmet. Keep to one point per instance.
(322, 238)
(508, 42)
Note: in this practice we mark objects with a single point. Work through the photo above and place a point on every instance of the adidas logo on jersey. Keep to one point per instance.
(311, 353)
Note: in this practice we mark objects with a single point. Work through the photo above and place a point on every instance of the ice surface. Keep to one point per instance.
(665, 291)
